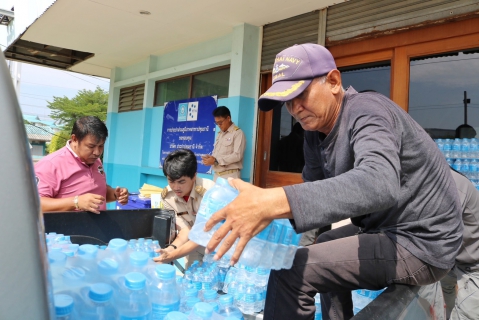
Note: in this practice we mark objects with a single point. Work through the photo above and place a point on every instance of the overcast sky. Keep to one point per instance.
(38, 85)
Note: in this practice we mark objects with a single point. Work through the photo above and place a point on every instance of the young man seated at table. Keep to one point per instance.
(183, 195)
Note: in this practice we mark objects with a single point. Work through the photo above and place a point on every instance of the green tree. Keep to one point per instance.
(58, 141)
(66, 111)
(85, 103)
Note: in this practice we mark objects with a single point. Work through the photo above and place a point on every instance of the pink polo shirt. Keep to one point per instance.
(62, 174)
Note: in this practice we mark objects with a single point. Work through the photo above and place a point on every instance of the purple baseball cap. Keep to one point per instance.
(294, 69)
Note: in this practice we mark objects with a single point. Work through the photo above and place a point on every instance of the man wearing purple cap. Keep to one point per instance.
(365, 159)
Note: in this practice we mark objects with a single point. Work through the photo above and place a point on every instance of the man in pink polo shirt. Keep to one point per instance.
(73, 177)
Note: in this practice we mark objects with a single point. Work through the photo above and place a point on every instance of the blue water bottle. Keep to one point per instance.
(133, 300)
(164, 292)
(214, 199)
(63, 307)
(99, 303)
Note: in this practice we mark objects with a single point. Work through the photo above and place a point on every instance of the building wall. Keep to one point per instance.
(132, 151)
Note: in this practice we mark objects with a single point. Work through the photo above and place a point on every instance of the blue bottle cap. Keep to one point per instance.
(209, 294)
(165, 271)
(203, 309)
(135, 281)
(87, 251)
(107, 266)
(191, 292)
(100, 292)
(117, 244)
(176, 315)
(63, 304)
(226, 299)
(57, 258)
(139, 258)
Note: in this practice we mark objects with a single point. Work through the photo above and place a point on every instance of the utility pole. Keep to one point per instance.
(466, 101)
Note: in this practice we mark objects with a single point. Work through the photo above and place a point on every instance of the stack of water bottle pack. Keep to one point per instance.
(121, 281)
(463, 156)
(272, 248)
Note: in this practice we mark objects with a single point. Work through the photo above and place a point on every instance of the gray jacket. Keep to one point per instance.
(381, 169)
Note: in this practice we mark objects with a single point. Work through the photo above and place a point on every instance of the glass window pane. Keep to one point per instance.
(286, 143)
(172, 90)
(372, 76)
(436, 92)
(211, 83)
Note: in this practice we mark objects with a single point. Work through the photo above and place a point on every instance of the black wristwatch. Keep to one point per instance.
(171, 245)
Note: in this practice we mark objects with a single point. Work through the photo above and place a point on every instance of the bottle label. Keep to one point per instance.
(161, 310)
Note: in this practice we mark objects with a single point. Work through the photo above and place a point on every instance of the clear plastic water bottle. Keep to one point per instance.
(249, 299)
(201, 311)
(317, 303)
(262, 276)
(190, 303)
(57, 261)
(457, 165)
(283, 245)
(474, 148)
(226, 307)
(98, 303)
(117, 250)
(210, 296)
(133, 301)
(138, 262)
(63, 307)
(440, 144)
(271, 245)
(214, 199)
(73, 279)
(291, 253)
(108, 272)
(474, 169)
(251, 254)
(85, 259)
(465, 167)
(164, 292)
(465, 148)
(456, 149)
(176, 315)
(447, 149)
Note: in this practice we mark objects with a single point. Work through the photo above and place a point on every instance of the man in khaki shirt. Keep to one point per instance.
(183, 195)
(227, 157)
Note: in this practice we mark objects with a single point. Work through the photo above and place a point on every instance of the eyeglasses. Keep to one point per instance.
(220, 123)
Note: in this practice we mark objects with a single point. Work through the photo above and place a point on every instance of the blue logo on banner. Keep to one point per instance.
(182, 111)
(189, 124)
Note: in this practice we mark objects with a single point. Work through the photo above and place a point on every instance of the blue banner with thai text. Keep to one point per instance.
(189, 124)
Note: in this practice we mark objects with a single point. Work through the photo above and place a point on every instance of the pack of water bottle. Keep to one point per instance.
(247, 286)
(463, 156)
(361, 298)
(121, 281)
(273, 248)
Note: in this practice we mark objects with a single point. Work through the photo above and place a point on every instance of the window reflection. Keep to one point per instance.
(373, 76)
(436, 92)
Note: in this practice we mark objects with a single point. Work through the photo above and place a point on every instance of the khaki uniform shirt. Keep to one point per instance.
(186, 211)
(229, 150)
